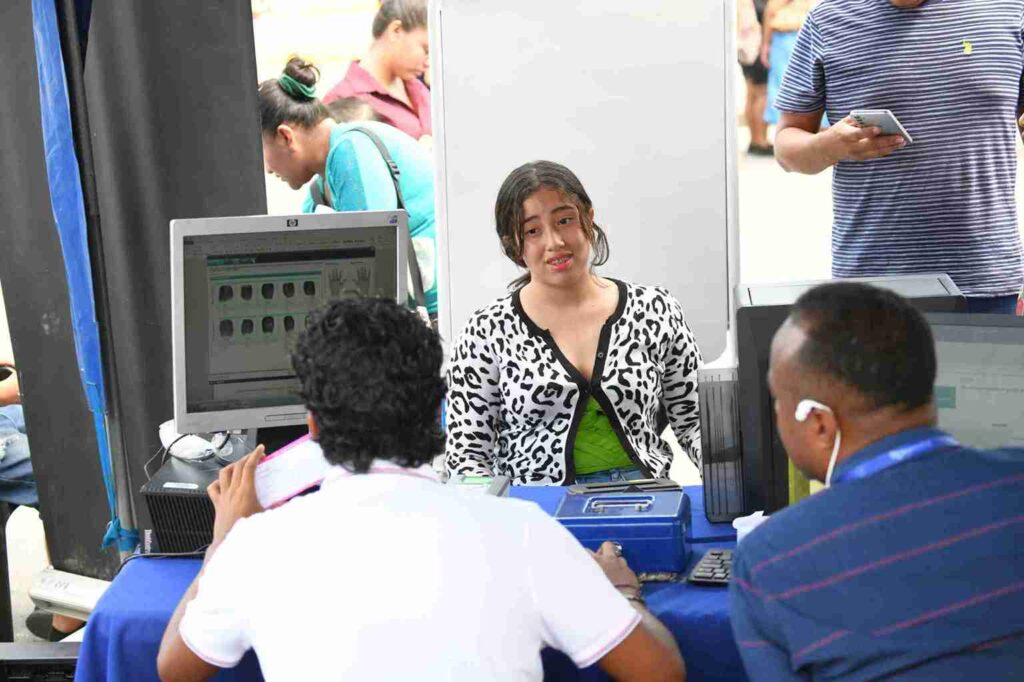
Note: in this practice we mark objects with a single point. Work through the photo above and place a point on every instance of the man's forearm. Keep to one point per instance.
(657, 628)
(650, 621)
(800, 151)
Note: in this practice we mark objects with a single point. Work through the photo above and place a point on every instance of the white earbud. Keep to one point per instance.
(804, 407)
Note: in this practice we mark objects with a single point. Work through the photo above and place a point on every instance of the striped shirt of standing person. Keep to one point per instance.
(950, 70)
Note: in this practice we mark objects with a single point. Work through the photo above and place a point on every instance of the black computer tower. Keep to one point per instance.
(179, 506)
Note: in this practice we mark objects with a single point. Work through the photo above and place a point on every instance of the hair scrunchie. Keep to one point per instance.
(294, 88)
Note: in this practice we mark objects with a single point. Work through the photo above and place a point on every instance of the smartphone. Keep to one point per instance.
(880, 118)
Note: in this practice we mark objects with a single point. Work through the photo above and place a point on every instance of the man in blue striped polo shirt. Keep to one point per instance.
(950, 70)
(911, 563)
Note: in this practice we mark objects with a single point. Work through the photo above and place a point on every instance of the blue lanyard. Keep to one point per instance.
(891, 458)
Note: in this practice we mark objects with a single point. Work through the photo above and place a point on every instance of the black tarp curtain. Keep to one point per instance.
(163, 104)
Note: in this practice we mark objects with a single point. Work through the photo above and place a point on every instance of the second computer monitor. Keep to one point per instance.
(979, 383)
(761, 311)
(243, 288)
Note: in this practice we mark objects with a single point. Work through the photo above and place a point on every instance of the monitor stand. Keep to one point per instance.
(274, 438)
(244, 441)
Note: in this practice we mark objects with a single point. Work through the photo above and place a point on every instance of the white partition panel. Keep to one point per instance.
(632, 95)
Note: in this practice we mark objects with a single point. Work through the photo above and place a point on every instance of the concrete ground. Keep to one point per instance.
(784, 223)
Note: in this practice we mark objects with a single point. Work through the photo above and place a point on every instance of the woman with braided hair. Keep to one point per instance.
(342, 165)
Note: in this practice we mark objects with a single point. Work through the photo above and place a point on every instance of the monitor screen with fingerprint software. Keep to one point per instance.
(243, 288)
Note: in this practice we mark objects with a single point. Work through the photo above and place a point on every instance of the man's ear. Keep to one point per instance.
(825, 426)
(314, 430)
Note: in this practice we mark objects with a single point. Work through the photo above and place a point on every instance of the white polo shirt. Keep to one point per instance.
(390, 575)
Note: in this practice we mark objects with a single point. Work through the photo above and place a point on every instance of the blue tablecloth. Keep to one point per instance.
(124, 631)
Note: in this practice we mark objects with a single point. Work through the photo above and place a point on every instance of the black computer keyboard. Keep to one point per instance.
(714, 568)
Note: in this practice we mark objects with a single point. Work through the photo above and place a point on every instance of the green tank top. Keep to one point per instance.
(597, 447)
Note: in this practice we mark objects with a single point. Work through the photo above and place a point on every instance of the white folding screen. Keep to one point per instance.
(632, 95)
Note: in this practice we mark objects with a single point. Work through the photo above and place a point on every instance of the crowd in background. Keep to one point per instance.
(766, 34)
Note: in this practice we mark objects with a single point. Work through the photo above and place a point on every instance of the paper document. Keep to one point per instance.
(292, 470)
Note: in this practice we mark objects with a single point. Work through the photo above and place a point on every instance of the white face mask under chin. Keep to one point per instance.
(803, 410)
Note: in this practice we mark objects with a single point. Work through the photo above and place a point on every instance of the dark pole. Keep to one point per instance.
(73, 50)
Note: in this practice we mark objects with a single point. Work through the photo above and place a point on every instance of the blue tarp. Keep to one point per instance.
(69, 216)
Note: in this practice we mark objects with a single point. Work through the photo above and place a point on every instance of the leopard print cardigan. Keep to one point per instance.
(515, 402)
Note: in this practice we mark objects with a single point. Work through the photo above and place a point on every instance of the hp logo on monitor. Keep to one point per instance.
(292, 222)
(393, 220)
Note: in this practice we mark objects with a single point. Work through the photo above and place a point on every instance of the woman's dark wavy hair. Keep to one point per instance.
(277, 106)
(411, 13)
(517, 188)
(370, 374)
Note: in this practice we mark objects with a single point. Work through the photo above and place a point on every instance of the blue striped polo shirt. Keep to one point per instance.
(916, 572)
(950, 70)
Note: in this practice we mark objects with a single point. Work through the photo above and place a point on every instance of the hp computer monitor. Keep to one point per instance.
(979, 383)
(241, 290)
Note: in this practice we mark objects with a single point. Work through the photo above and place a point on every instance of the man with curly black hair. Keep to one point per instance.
(371, 378)
(383, 573)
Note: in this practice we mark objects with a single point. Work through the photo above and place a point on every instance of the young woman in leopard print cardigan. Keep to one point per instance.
(572, 376)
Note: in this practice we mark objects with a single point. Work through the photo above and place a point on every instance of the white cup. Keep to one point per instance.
(745, 524)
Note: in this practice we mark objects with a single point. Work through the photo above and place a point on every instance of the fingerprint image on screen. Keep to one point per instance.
(247, 295)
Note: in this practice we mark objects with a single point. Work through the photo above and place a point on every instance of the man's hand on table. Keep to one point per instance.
(234, 494)
(609, 558)
(649, 652)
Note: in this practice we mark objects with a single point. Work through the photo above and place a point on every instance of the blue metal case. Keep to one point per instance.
(651, 527)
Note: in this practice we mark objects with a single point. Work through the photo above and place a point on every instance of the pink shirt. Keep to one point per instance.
(415, 120)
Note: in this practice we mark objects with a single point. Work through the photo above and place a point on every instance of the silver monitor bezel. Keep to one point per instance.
(258, 417)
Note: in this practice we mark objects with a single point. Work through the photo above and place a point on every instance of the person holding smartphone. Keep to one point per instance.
(951, 73)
